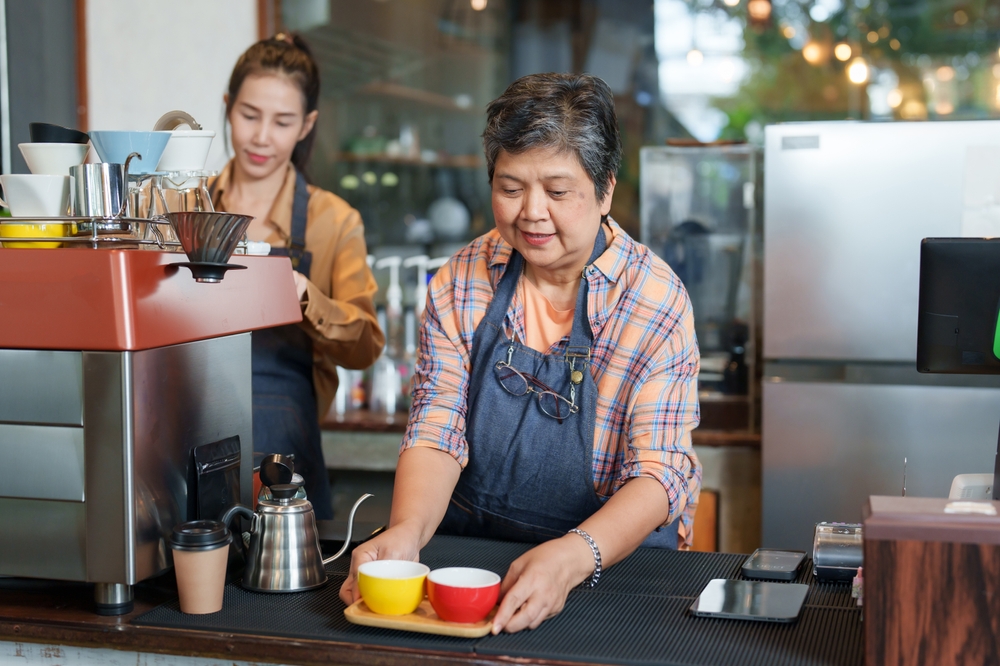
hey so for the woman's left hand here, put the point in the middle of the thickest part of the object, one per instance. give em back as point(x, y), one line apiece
point(301, 282)
point(537, 583)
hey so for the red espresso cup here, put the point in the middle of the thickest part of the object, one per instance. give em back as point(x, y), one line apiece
point(460, 594)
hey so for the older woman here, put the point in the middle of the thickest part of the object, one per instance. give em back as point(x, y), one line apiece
point(556, 388)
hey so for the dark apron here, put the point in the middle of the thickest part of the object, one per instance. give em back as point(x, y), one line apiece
point(285, 418)
point(530, 477)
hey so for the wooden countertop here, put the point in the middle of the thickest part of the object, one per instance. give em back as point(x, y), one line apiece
point(62, 614)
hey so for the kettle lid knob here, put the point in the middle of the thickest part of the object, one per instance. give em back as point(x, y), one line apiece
point(276, 468)
point(284, 491)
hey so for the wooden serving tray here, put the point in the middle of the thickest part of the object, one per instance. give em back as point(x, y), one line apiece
point(423, 620)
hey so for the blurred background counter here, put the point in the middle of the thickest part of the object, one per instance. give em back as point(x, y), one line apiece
point(361, 451)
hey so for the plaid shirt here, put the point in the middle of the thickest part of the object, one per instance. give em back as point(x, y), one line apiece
point(645, 363)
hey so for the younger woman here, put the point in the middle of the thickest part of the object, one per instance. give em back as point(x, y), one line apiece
point(271, 109)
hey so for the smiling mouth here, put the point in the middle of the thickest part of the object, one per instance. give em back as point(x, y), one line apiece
point(536, 239)
point(257, 159)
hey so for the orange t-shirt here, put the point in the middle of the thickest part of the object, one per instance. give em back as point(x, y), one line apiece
point(543, 324)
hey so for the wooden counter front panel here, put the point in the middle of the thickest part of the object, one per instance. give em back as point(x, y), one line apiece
point(931, 603)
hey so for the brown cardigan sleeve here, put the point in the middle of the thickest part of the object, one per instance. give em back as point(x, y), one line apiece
point(338, 308)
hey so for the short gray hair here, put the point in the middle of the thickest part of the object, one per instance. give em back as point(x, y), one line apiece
point(571, 112)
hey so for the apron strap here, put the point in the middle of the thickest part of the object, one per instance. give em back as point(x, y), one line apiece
point(300, 213)
point(581, 336)
point(505, 291)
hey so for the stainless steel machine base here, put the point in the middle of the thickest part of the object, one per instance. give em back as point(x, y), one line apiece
point(113, 598)
point(98, 455)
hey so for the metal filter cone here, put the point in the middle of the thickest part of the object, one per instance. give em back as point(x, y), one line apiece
point(208, 237)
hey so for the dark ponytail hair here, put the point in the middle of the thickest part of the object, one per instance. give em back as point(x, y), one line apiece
point(290, 55)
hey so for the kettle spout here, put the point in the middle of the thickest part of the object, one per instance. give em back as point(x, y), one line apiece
point(350, 530)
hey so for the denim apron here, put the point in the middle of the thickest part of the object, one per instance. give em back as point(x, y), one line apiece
point(530, 477)
point(285, 418)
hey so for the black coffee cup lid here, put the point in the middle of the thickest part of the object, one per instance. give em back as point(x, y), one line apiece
point(200, 535)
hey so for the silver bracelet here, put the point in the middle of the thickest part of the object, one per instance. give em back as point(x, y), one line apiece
point(594, 577)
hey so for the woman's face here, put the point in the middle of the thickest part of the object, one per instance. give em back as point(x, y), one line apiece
point(267, 119)
point(545, 206)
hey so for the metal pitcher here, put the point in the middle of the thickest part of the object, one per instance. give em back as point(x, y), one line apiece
point(284, 553)
point(101, 189)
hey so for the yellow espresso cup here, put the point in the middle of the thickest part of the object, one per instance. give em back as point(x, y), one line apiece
point(34, 230)
point(392, 587)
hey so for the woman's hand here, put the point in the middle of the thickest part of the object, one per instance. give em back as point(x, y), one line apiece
point(301, 282)
point(537, 583)
point(399, 542)
point(425, 478)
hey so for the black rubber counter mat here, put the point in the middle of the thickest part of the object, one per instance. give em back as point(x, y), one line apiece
point(636, 615)
point(447, 551)
point(633, 629)
point(668, 573)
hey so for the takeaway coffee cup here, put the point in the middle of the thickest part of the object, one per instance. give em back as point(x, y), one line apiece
point(35, 195)
point(201, 551)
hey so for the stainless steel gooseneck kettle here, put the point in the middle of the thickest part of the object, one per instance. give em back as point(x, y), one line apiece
point(284, 553)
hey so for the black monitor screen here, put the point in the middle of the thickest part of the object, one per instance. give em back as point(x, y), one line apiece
point(959, 298)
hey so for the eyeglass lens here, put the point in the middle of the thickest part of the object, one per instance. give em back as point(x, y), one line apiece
point(553, 405)
point(511, 380)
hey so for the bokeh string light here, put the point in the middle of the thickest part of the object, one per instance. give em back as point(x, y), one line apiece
point(858, 71)
point(759, 10)
point(843, 51)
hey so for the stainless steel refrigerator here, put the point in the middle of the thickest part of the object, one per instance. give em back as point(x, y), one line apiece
point(845, 207)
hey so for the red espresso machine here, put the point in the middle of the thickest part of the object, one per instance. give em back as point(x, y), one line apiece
point(116, 368)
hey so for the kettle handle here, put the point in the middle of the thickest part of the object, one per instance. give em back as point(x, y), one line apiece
point(233, 511)
point(350, 528)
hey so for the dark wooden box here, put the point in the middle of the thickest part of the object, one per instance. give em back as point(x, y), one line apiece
point(932, 583)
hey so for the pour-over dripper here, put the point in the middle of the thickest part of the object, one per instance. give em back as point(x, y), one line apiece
point(208, 239)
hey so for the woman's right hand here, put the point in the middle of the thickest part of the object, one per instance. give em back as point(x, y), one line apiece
point(425, 478)
point(399, 542)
